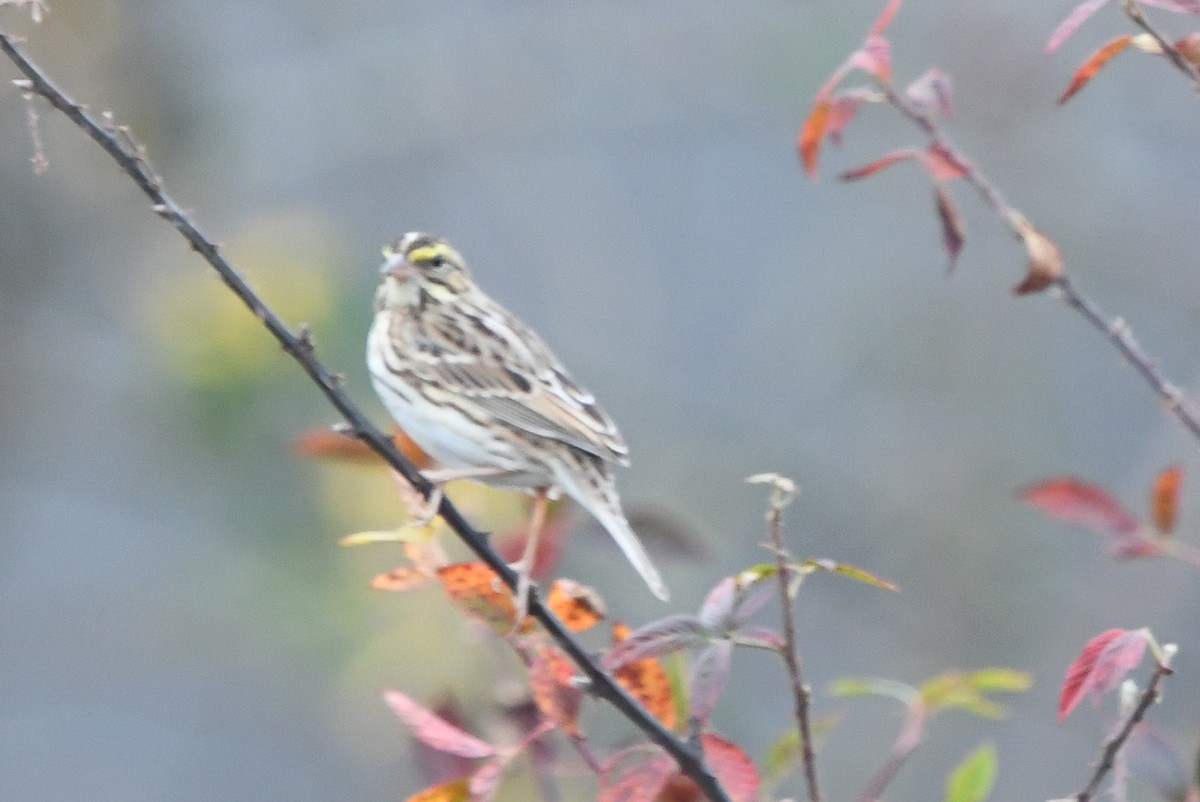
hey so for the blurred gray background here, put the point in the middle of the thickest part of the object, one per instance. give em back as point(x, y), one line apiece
point(176, 619)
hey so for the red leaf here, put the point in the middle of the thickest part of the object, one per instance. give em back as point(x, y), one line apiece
point(954, 233)
point(944, 165)
point(1093, 65)
point(885, 18)
point(432, 730)
point(874, 57)
point(1081, 504)
point(1189, 48)
point(1165, 504)
point(732, 768)
point(1071, 24)
point(881, 163)
point(812, 134)
point(1102, 664)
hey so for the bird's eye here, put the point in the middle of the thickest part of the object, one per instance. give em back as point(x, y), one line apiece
point(437, 260)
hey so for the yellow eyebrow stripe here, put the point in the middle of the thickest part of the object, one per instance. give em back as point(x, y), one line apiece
point(429, 252)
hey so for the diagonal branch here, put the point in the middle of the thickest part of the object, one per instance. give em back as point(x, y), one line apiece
point(1134, 11)
point(129, 155)
point(1109, 756)
point(1117, 331)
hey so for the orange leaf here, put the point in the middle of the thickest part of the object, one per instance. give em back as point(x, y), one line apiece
point(812, 134)
point(1045, 260)
point(646, 680)
point(550, 675)
point(576, 605)
point(1189, 48)
point(1165, 504)
point(1093, 65)
point(403, 578)
point(324, 443)
point(479, 591)
point(457, 791)
point(1101, 666)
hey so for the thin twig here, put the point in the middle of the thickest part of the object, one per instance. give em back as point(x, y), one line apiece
point(1134, 11)
point(783, 492)
point(120, 145)
point(1109, 755)
point(1117, 331)
point(1120, 335)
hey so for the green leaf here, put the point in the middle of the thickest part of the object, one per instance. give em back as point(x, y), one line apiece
point(873, 686)
point(786, 753)
point(972, 779)
point(853, 572)
point(965, 691)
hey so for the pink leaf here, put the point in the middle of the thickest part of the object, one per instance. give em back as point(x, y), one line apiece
point(432, 730)
point(842, 110)
point(882, 163)
point(709, 675)
point(944, 165)
point(486, 780)
point(1101, 666)
point(885, 18)
point(1080, 504)
point(732, 768)
point(718, 604)
point(1071, 24)
point(641, 782)
point(875, 57)
point(657, 638)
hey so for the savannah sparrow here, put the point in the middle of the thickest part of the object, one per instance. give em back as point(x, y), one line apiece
point(482, 394)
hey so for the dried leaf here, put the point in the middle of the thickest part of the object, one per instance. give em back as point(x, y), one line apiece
point(457, 791)
point(401, 579)
point(479, 591)
point(647, 681)
point(1045, 260)
point(954, 231)
point(432, 730)
point(550, 677)
point(1068, 26)
point(1094, 64)
point(578, 606)
point(1101, 666)
point(1165, 502)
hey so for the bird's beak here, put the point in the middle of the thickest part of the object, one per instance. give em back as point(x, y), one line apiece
point(396, 266)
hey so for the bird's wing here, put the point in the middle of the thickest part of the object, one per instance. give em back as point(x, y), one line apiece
point(505, 368)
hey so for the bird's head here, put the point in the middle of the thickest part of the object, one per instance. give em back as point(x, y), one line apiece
point(420, 269)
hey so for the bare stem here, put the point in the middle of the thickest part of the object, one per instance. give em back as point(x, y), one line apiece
point(1134, 11)
point(1109, 755)
point(129, 155)
point(1116, 330)
point(789, 652)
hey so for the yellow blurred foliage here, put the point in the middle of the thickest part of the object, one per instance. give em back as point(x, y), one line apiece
point(208, 336)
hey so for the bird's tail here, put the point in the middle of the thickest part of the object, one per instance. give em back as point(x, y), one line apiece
point(597, 493)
